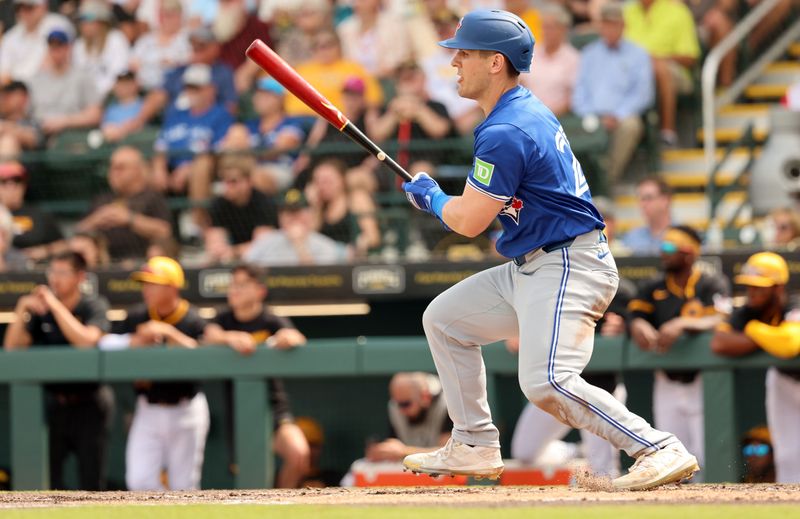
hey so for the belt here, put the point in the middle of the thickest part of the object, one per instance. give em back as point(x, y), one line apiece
point(550, 247)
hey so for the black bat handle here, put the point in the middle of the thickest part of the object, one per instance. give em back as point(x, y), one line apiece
point(358, 136)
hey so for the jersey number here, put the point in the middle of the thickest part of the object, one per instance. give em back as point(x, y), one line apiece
point(562, 144)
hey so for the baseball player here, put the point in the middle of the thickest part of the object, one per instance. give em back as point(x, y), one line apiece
point(560, 280)
point(769, 322)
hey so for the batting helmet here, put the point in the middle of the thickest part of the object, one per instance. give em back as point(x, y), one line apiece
point(495, 30)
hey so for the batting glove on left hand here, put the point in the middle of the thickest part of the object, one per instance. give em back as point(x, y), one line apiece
point(425, 194)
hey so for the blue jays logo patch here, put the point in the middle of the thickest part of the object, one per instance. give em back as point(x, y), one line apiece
point(512, 209)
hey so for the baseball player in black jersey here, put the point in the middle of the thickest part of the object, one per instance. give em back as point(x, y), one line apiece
point(244, 325)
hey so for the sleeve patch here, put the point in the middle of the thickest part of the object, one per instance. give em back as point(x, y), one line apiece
point(483, 171)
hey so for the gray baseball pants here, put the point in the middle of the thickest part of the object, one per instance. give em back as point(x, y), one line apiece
point(552, 302)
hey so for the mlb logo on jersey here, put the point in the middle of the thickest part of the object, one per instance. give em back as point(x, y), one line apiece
point(512, 209)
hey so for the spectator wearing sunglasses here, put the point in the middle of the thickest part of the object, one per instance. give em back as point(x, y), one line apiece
point(684, 300)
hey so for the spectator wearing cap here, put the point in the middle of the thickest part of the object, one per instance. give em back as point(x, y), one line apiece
point(78, 414)
point(189, 136)
point(235, 27)
point(555, 70)
point(412, 117)
point(64, 96)
point(295, 242)
point(133, 215)
point(163, 48)
point(205, 52)
point(11, 258)
point(125, 107)
point(171, 420)
point(275, 136)
point(442, 79)
point(240, 214)
point(24, 47)
point(101, 49)
point(615, 84)
point(328, 70)
point(18, 131)
point(666, 30)
point(375, 38)
point(36, 232)
point(361, 165)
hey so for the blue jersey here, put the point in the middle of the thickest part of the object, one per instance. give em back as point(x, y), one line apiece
point(186, 134)
point(523, 158)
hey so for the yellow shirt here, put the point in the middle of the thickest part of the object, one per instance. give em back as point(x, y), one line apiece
point(534, 22)
point(666, 29)
point(329, 80)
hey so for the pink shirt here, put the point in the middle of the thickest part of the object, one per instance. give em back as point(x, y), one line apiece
point(553, 76)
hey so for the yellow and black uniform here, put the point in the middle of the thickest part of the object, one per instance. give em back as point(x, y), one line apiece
point(187, 321)
point(662, 300)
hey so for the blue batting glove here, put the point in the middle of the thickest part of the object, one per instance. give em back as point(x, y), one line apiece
point(425, 194)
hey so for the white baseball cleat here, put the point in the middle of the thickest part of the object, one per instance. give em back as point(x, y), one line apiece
point(671, 464)
point(457, 459)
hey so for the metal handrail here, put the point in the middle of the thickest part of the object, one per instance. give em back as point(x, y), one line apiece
point(711, 68)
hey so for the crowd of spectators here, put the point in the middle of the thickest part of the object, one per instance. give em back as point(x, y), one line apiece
point(177, 69)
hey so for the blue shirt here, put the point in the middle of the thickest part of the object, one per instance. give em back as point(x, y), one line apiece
point(523, 158)
point(641, 242)
point(192, 133)
point(267, 140)
point(221, 76)
point(118, 113)
point(613, 81)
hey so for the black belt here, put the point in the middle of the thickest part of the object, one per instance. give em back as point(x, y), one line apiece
point(550, 247)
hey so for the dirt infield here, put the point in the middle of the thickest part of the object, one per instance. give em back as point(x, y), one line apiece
point(498, 496)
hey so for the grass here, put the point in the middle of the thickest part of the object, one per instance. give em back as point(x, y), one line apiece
point(217, 511)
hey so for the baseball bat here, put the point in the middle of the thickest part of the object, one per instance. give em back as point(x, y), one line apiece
point(270, 62)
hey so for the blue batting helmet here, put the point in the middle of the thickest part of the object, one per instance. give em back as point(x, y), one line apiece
point(495, 30)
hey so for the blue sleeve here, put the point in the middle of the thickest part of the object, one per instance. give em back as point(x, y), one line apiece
point(642, 90)
point(227, 91)
point(222, 122)
point(499, 162)
point(173, 82)
point(581, 95)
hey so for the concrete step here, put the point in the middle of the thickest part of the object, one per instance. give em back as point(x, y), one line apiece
point(686, 168)
point(733, 119)
point(766, 92)
point(687, 208)
point(780, 72)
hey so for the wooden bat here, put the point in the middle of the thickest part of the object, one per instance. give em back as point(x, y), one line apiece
point(275, 66)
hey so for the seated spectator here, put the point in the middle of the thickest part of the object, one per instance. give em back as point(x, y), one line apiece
point(11, 258)
point(295, 242)
point(532, 16)
point(125, 107)
point(666, 30)
point(785, 224)
point(769, 321)
point(714, 20)
point(655, 201)
point(79, 414)
point(36, 232)
point(683, 300)
point(188, 136)
point(63, 96)
point(92, 246)
point(418, 420)
point(133, 215)
point(375, 38)
point(328, 71)
point(412, 117)
point(246, 324)
point(325, 142)
point(441, 78)
point(307, 18)
point(171, 420)
point(163, 48)
point(615, 84)
point(276, 137)
point(342, 214)
point(235, 27)
point(18, 131)
point(101, 50)
point(241, 214)
point(555, 70)
point(23, 50)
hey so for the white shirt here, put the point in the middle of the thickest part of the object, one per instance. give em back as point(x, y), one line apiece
point(108, 64)
point(22, 53)
point(154, 59)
